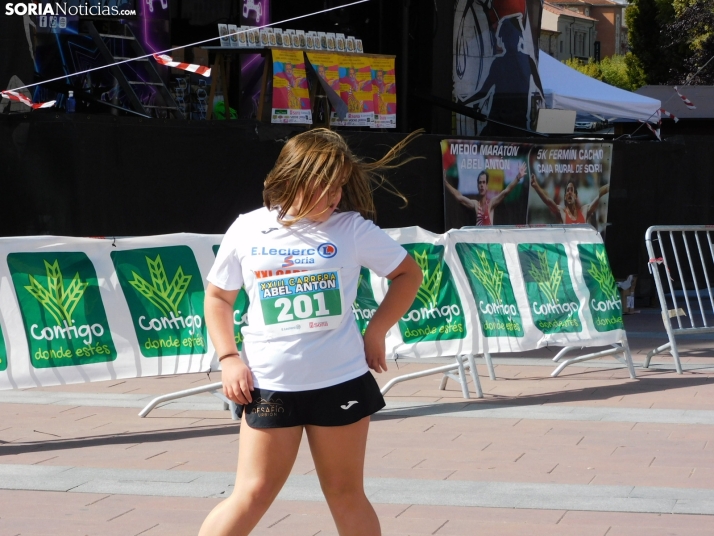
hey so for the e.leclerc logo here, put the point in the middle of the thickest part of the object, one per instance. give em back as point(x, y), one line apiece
point(327, 250)
point(298, 256)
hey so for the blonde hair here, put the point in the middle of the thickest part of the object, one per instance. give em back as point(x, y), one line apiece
point(320, 160)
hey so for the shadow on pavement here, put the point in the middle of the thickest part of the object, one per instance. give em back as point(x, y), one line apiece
point(603, 392)
point(153, 436)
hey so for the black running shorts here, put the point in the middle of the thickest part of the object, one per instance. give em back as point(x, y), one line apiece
point(338, 405)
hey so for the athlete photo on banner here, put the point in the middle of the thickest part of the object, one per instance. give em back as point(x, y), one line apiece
point(485, 183)
point(570, 184)
point(502, 183)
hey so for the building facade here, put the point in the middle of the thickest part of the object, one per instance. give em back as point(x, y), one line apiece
point(610, 24)
point(567, 34)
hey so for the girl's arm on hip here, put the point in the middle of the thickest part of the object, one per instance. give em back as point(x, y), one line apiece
point(405, 281)
point(237, 378)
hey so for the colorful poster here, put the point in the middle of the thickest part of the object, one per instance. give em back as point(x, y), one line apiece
point(384, 89)
point(504, 183)
point(62, 310)
point(291, 97)
point(355, 90)
point(327, 67)
point(164, 290)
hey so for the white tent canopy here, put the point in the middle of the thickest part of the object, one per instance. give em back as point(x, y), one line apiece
point(567, 89)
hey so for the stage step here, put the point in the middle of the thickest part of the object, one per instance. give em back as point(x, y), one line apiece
point(122, 32)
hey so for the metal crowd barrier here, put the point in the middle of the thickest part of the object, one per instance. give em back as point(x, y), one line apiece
point(446, 370)
point(686, 254)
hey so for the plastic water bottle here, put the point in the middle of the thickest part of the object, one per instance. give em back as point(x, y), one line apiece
point(71, 104)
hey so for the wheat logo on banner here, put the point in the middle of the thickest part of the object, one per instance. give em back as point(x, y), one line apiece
point(164, 290)
point(551, 296)
point(62, 310)
point(437, 313)
point(486, 270)
point(604, 303)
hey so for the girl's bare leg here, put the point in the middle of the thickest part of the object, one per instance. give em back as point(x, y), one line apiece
point(265, 458)
point(338, 453)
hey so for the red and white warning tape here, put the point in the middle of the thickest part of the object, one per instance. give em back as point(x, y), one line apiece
point(659, 260)
point(19, 97)
point(689, 104)
point(669, 114)
point(655, 131)
point(163, 59)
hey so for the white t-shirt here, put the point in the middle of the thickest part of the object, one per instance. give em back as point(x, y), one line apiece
point(301, 282)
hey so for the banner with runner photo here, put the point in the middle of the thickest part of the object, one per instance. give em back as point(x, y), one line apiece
point(570, 184)
point(485, 183)
point(291, 96)
point(505, 183)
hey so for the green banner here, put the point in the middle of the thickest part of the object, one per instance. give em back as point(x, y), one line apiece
point(62, 310)
point(551, 296)
point(164, 290)
point(3, 352)
point(437, 313)
point(605, 305)
point(485, 267)
point(364, 305)
point(240, 312)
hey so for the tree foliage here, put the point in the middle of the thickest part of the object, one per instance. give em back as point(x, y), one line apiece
point(671, 41)
point(690, 37)
point(619, 71)
point(644, 23)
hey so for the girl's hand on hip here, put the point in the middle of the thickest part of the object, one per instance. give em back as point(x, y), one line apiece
point(237, 380)
point(374, 351)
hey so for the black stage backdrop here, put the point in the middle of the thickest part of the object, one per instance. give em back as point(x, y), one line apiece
point(104, 176)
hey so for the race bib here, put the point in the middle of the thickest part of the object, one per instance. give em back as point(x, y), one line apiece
point(301, 303)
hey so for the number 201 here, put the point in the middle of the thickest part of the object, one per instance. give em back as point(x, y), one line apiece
point(302, 307)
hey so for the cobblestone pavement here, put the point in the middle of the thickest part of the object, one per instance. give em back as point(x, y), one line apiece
point(590, 452)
